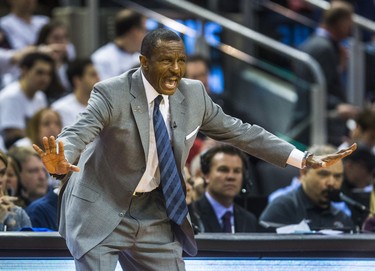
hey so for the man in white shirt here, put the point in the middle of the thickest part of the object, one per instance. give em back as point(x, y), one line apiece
point(20, 25)
point(122, 53)
point(82, 76)
point(21, 28)
point(21, 99)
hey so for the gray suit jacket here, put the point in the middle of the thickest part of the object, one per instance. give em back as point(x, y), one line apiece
point(113, 136)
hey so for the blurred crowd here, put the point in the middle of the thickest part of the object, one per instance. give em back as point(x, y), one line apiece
point(45, 86)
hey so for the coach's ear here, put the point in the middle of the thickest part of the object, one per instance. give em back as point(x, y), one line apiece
point(144, 62)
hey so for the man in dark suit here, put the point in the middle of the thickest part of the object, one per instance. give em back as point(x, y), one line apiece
point(116, 207)
point(326, 48)
point(224, 168)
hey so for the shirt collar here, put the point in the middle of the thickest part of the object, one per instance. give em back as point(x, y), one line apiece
point(151, 93)
point(219, 209)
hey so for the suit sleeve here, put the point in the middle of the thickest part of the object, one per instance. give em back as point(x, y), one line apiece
point(252, 139)
point(89, 124)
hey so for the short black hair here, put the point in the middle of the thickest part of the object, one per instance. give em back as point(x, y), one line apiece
point(151, 39)
point(29, 60)
point(127, 20)
point(77, 68)
point(206, 157)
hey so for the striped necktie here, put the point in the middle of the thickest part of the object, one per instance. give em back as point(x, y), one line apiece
point(174, 196)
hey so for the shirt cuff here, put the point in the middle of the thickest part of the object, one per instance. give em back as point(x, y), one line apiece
point(295, 158)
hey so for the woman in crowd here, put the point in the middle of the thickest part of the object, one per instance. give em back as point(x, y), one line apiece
point(13, 183)
point(54, 36)
point(12, 217)
point(45, 122)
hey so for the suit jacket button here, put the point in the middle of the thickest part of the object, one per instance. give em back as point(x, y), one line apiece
point(121, 214)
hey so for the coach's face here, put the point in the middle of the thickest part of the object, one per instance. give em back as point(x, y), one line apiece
point(166, 66)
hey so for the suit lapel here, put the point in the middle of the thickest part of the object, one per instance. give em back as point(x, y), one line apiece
point(177, 109)
point(140, 110)
point(208, 216)
point(238, 220)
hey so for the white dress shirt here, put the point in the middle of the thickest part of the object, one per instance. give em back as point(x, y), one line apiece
point(151, 178)
point(295, 158)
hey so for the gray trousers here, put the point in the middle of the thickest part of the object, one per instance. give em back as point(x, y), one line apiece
point(142, 241)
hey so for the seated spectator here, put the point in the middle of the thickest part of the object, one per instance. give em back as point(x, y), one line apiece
point(122, 53)
point(357, 183)
point(13, 178)
point(369, 223)
point(12, 217)
point(295, 183)
point(20, 27)
point(82, 76)
point(9, 59)
point(53, 36)
point(21, 99)
point(45, 122)
point(34, 178)
point(43, 211)
point(362, 131)
point(359, 171)
point(224, 168)
point(310, 201)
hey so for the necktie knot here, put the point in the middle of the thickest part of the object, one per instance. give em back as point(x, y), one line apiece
point(157, 102)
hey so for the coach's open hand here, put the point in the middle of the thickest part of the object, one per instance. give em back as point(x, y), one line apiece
point(329, 159)
point(54, 160)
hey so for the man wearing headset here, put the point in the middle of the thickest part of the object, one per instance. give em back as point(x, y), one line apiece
point(224, 168)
